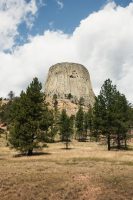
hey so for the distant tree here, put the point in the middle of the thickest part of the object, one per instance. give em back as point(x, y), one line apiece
point(130, 116)
point(56, 115)
point(6, 112)
point(121, 118)
point(81, 101)
point(66, 128)
point(55, 102)
point(79, 122)
point(11, 95)
point(130, 122)
point(88, 121)
point(46, 123)
point(26, 132)
point(70, 96)
point(6, 115)
point(96, 119)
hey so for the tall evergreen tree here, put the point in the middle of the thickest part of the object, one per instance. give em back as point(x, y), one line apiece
point(47, 122)
point(96, 119)
point(25, 133)
point(110, 113)
point(66, 128)
point(56, 116)
point(88, 122)
point(80, 124)
point(121, 118)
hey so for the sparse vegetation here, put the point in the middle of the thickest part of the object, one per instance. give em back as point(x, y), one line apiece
point(88, 171)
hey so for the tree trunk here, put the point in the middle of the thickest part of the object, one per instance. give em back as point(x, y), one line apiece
point(66, 144)
point(30, 152)
point(108, 142)
point(7, 139)
point(86, 133)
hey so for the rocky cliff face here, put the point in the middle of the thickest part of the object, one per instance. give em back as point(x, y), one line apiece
point(70, 81)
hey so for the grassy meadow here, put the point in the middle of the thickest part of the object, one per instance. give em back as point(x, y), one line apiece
point(87, 171)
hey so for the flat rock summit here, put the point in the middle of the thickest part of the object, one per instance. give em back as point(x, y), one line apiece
point(70, 82)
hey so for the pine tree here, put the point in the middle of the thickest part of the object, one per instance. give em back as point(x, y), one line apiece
point(11, 95)
point(121, 118)
point(70, 96)
point(110, 113)
point(26, 133)
point(47, 122)
point(56, 116)
point(80, 124)
point(130, 112)
point(97, 118)
point(66, 128)
point(6, 112)
point(81, 101)
point(88, 122)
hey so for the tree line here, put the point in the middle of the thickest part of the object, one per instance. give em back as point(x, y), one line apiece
point(32, 123)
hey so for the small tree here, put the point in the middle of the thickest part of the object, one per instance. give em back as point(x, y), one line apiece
point(56, 114)
point(55, 102)
point(88, 121)
point(11, 95)
point(66, 128)
point(81, 101)
point(5, 113)
point(26, 134)
point(80, 124)
point(121, 119)
point(70, 96)
point(46, 123)
point(97, 119)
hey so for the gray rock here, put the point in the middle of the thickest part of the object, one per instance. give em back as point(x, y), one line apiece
point(70, 78)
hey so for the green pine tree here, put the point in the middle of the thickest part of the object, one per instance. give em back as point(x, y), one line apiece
point(121, 119)
point(26, 133)
point(66, 128)
point(79, 122)
point(88, 122)
point(97, 118)
point(46, 123)
point(110, 114)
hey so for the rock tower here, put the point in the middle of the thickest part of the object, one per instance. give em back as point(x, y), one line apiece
point(70, 81)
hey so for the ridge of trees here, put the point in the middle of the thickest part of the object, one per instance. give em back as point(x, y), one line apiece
point(32, 124)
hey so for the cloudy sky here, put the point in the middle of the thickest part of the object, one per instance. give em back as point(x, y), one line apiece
point(35, 34)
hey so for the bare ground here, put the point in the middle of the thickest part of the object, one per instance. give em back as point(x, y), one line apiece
point(85, 172)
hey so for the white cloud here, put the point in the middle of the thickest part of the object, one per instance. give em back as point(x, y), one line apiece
point(60, 3)
point(103, 42)
point(12, 13)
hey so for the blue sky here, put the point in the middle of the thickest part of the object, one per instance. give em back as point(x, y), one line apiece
point(35, 34)
point(52, 16)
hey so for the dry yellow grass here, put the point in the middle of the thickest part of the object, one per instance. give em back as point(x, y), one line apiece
point(85, 172)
